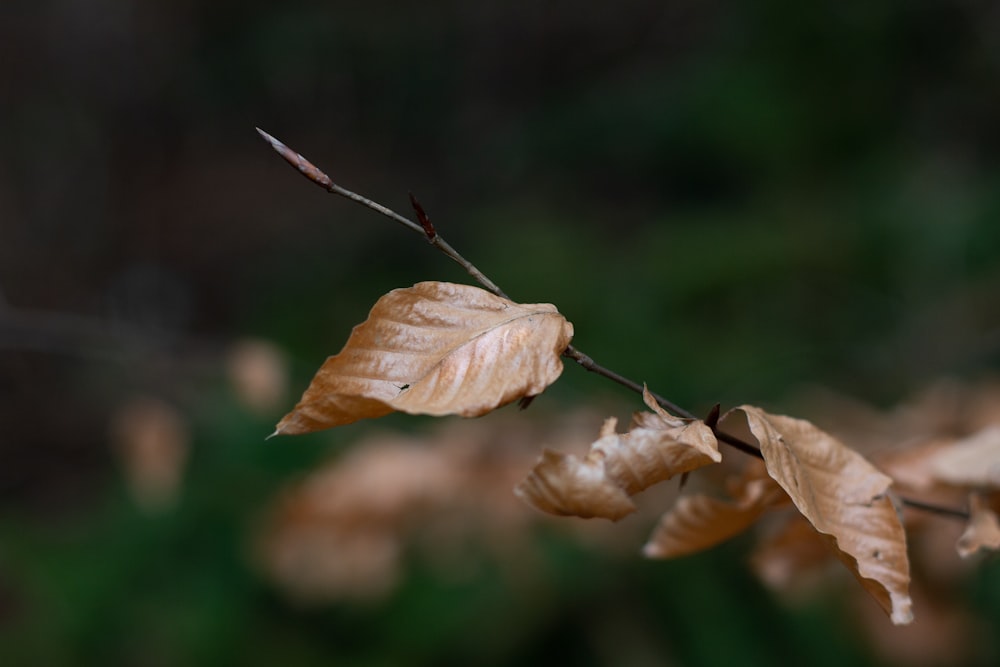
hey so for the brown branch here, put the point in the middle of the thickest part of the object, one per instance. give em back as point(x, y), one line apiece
point(950, 512)
point(429, 232)
point(592, 366)
point(307, 169)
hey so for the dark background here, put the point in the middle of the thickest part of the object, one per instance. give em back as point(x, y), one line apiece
point(728, 201)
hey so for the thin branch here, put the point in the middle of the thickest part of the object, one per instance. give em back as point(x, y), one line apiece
point(592, 366)
point(429, 232)
point(935, 509)
point(310, 171)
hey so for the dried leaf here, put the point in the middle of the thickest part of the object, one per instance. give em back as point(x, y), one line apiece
point(345, 529)
point(258, 372)
point(697, 522)
point(566, 485)
point(841, 494)
point(435, 348)
point(152, 439)
point(618, 466)
point(784, 559)
point(973, 461)
point(983, 531)
point(336, 533)
point(912, 467)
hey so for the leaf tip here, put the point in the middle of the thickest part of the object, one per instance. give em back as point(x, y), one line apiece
point(902, 610)
point(647, 398)
point(651, 550)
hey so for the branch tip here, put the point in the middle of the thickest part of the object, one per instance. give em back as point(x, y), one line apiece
point(304, 166)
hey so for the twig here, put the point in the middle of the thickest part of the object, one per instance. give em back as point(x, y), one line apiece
point(428, 231)
point(592, 366)
point(935, 509)
point(319, 178)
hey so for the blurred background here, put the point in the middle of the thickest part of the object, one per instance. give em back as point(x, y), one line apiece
point(731, 203)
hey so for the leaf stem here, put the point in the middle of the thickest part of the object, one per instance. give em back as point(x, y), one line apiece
point(425, 229)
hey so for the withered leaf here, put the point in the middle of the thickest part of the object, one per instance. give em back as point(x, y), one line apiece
point(435, 348)
point(153, 440)
point(912, 467)
point(973, 461)
point(983, 531)
point(618, 466)
point(841, 494)
point(697, 521)
point(784, 558)
point(566, 485)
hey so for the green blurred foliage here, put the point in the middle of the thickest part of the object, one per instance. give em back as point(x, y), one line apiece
point(728, 202)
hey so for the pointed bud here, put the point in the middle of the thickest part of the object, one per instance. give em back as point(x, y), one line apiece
point(305, 167)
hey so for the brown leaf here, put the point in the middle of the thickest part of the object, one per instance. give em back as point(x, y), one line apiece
point(566, 485)
point(618, 466)
point(337, 532)
point(983, 531)
point(258, 372)
point(153, 441)
point(912, 467)
point(973, 461)
point(435, 348)
point(697, 522)
point(841, 494)
point(784, 559)
point(346, 528)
